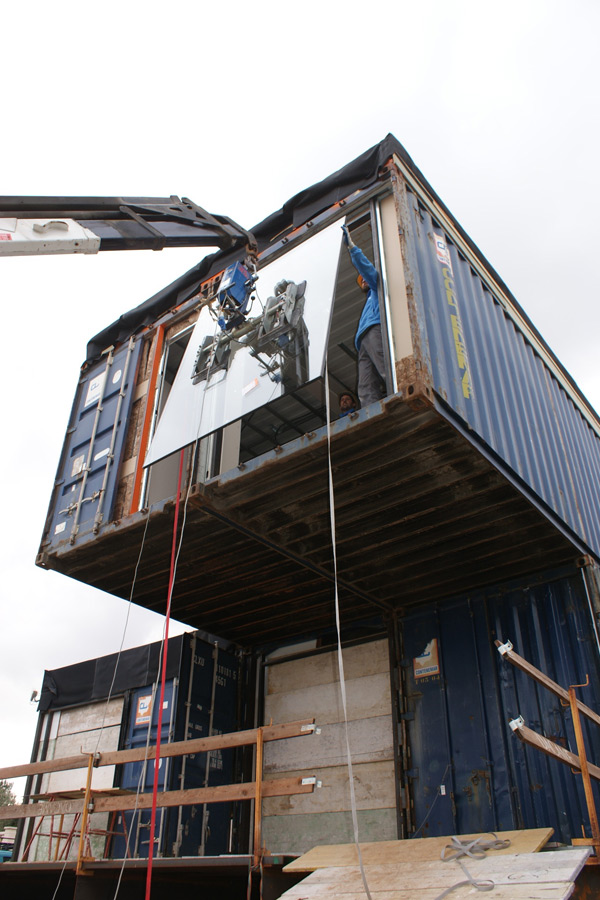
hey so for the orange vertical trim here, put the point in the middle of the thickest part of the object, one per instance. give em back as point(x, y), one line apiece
point(139, 467)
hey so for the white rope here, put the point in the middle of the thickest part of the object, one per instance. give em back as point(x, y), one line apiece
point(339, 637)
point(129, 605)
point(475, 849)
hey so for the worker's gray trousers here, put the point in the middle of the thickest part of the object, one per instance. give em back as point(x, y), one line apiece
point(371, 367)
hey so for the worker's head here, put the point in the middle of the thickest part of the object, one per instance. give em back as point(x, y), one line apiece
point(347, 402)
point(362, 284)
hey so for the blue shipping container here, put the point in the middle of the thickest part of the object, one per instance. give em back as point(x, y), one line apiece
point(469, 772)
point(496, 380)
point(86, 481)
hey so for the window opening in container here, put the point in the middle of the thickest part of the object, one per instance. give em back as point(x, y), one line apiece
point(303, 411)
point(256, 364)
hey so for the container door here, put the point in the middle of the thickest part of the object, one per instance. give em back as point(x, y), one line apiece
point(211, 706)
point(87, 477)
point(452, 766)
point(139, 776)
point(469, 773)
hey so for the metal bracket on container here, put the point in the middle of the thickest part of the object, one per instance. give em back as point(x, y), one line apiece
point(312, 780)
point(503, 649)
point(310, 728)
point(517, 723)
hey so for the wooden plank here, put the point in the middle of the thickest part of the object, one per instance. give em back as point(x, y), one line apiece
point(373, 785)
point(382, 852)
point(556, 751)
point(529, 876)
point(222, 794)
point(177, 748)
point(523, 868)
point(520, 663)
point(502, 892)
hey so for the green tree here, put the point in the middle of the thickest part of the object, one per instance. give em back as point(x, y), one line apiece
point(7, 798)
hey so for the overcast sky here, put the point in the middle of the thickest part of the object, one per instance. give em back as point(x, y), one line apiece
point(239, 106)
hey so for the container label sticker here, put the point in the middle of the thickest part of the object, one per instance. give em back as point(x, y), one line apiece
point(5, 237)
point(60, 527)
point(428, 663)
point(101, 453)
point(117, 376)
point(458, 335)
point(77, 467)
point(443, 254)
point(94, 390)
point(142, 713)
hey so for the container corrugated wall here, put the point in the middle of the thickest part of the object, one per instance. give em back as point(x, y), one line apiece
point(469, 772)
point(486, 372)
point(86, 480)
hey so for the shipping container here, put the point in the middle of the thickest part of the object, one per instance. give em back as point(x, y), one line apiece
point(480, 463)
point(83, 710)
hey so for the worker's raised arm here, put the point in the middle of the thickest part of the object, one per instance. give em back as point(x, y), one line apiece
point(360, 262)
point(364, 266)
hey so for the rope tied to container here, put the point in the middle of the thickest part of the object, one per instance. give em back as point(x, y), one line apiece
point(475, 849)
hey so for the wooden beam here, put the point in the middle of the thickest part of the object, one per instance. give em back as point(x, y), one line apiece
point(177, 748)
point(222, 794)
point(519, 663)
point(533, 739)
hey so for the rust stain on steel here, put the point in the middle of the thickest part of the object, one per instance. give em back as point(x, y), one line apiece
point(478, 778)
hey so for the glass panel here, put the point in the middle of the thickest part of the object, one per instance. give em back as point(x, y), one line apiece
point(253, 365)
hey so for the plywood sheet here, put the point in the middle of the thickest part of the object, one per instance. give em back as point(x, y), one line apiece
point(374, 786)
point(367, 696)
point(370, 740)
point(525, 876)
point(559, 891)
point(365, 659)
point(91, 716)
point(284, 835)
point(385, 852)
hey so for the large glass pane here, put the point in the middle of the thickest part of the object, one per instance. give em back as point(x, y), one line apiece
point(254, 366)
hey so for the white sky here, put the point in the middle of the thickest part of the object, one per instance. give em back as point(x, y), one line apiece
point(239, 106)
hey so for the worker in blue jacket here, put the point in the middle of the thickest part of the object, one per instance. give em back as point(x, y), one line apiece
point(368, 339)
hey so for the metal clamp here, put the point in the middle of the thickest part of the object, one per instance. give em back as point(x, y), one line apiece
point(310, 728)
point(517, 723)
point(312, 780)
point(503, 649)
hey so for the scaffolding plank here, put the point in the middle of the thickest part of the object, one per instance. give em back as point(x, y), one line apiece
point(221, 794)
point(381, 852)
point(176, 748)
